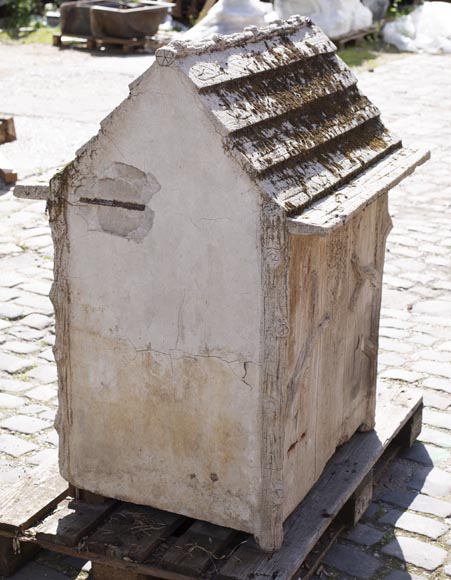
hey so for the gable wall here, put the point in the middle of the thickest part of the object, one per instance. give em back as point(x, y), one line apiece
point(161, 404)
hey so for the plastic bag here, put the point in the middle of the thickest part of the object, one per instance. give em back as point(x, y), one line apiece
point(230, 16)
point(335, 18)
point(426, 29)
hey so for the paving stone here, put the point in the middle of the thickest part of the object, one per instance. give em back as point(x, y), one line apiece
point(25, 424)
point(436, 400)
point(434, 355)
point(447, 570)
point(10, 401)
point(351, 560)
point(52, 438)
point(42, 393)
point(391, 359)
point(422, 339)
point(433, 368)
point(14, 386)
point(364, 535)
point(33, 571)
point(372, 511)
point(12, 475)
point(436, 419)
point(400, 575)
point(44, 374)
point(36, 321)
point(438, 384)
point(426, 454)
point(11, 311)
point(395, 345)
point(42, 288)
point(14, 364)
point(20, 347)
point(393, 333)
point(445, 346)
point(11, 279)
point(47, 355)
point(414, 523)
point(439, 438)
point(415, 552)
point(25, 333)
point(43, 457)
point(38, 303)
point(401, 375)
point(435, 307)
point(434, 482)
point(4, 324)
point(15, 446)
point(418, 502)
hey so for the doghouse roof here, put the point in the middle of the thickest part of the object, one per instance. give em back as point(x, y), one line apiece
point(287, 108)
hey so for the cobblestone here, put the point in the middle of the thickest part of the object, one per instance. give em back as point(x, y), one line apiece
point(352, 561)
point(416, 309)
point(25, 424)
point(416, 552)
point(415, 523)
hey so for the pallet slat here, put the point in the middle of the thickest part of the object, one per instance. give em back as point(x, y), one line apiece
point(198, 548)
point(343, 474)
point(36, 495)
point(133, 532)
point(71, 521)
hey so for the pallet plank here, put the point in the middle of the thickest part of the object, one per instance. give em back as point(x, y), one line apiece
point(7, 173)
point(133, 532)
point(71, 521)
point(12, 558)
point(342, 476)
point(7, 129)
point(198, 548)
point(37, 494)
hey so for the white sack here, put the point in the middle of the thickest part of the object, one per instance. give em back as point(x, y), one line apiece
point(427, 28)
point(230, 16)
point(335, 18)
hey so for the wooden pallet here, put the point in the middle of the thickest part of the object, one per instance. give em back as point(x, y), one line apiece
point(7, 173)
point(130, 542)
point(95, 43)
point(355, 37)
point(7, 130)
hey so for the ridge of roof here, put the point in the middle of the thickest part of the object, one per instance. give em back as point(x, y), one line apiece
point(177, 49)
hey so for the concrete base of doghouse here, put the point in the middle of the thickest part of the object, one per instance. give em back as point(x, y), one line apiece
point(133, 542)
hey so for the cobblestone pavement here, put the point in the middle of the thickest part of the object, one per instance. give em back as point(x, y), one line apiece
point(406, 532)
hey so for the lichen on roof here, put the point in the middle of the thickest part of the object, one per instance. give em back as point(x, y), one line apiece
point(287, 107)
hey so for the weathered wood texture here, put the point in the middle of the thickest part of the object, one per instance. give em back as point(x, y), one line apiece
point(136, 542)
point(36, 494)
point(342, 476)
point(13, 555)
point(7, 173)
point(7, 130)
point(335, 288)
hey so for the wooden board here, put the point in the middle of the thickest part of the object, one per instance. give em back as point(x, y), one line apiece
point(342, 476)
point(7, 173)
point(7, 130)
point(137, 543)
point(36, 494)
point(93, 43)
point(71, 521)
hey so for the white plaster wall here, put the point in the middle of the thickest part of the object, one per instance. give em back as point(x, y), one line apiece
point(165, 313)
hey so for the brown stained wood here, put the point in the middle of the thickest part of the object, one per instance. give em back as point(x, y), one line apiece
point(13, 555)
point(412, 430)
point(133, 532)
point(7, 173)
point(35, 496)
point(102, 572)
point(7, 130)
point(342, 476)
point(71, 521)
point(199, 547)
point(330, 213)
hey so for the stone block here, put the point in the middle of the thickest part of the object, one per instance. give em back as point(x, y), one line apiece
point(416, 552)
point(25, 424)
point(351, 560)
point(414, 523)
point(15, 446)
point(418, 502)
